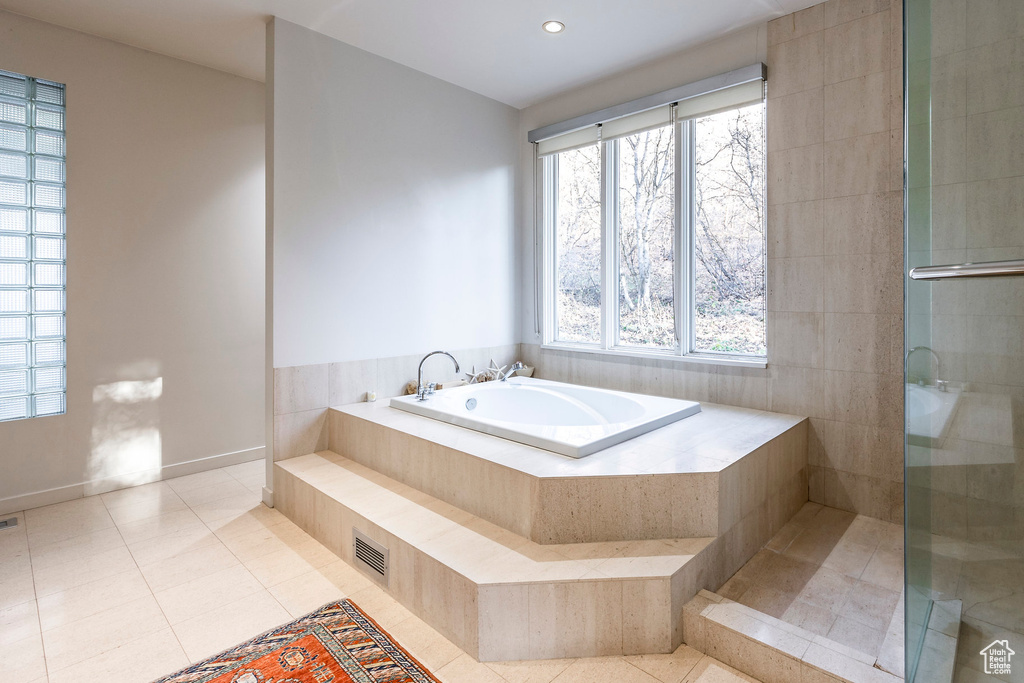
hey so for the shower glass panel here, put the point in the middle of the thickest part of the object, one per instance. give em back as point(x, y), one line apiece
point(964, 336)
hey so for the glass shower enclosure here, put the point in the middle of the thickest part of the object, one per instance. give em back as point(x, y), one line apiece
point(964, 339)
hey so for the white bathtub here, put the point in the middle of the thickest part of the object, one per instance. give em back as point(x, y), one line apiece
point(564, 418)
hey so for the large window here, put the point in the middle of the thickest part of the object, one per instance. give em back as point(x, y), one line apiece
point(32, 251)
point(654, 232)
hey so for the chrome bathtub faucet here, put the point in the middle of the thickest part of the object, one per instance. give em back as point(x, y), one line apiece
point(423, 391)
point(518, 365)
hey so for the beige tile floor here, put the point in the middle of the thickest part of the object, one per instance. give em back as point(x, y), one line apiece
point(834, 573)
point(131, 585)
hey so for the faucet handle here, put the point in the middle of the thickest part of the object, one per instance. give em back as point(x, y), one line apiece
point(517, 366)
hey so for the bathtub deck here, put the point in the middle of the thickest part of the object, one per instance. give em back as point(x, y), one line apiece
point(513, 552)
point(696, 477)
point(710, 441)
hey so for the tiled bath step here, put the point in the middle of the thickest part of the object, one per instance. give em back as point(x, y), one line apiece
point(696, 477)
point(836, 574)
point(493, 593)
point(770, 649)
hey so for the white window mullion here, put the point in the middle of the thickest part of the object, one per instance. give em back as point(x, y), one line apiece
point(681, 204)
point(609, 245)
point(550, 250)
point(540, 223)
point(685, 221)
point(691, 237)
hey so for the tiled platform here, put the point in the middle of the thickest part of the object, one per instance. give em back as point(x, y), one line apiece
point(499, 595)
point(495, 594)
point(514, 552)
point(134, 584)
point(824, 594)
point(833, 573)
point(696, 477)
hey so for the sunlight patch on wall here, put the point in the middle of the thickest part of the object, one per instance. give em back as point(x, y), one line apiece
point(126, 440)
point(129, 392)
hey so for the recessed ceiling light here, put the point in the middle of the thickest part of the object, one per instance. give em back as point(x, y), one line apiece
point(553, 26)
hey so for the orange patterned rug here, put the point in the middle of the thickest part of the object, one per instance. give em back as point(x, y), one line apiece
point(337, 643)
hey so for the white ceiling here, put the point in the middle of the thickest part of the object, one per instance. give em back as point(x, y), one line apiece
point(493, 47)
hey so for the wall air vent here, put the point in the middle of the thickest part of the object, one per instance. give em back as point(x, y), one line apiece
point(370, 556)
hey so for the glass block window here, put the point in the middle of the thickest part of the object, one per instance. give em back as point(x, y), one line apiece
point(32, 249)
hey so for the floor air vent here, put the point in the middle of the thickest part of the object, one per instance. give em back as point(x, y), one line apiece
point(370, 555)
point(8, 523)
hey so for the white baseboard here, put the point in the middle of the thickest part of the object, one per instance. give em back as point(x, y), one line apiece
point(88, 488)
point(41, 498)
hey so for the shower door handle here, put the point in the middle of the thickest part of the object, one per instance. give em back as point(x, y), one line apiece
point(962, 270)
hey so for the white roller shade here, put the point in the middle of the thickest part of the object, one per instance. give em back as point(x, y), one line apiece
point(616, 128)
point(721, 100)
point(637, 123)
point(735, 88)
point(574, 140)
point(734, 97)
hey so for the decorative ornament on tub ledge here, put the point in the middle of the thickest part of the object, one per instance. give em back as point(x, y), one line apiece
point(489, 375)
point(494, 372)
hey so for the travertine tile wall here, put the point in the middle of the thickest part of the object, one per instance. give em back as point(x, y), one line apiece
point(303, 393)
point(835, 255)
point(835, 245)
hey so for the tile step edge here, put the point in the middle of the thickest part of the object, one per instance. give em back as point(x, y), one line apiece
point(429, 546)
point(770, 649)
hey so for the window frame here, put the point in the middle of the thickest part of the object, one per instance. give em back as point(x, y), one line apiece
point(684, 263)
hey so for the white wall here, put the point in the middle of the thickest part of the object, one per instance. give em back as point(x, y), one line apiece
point(165, 203)
point(393, 207)
point(733, 51)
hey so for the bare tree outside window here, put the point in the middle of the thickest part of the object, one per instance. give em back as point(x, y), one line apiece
point(646, 238)
point(729, 232)
point(578, 245)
